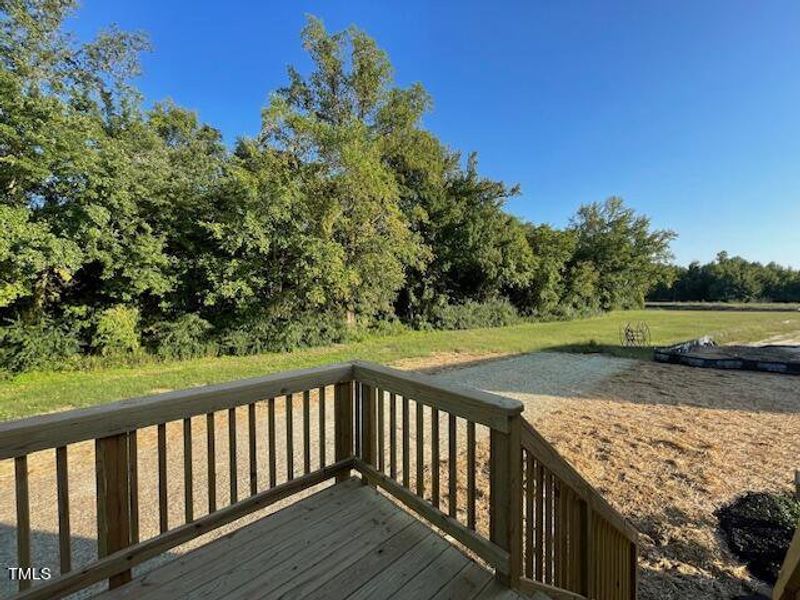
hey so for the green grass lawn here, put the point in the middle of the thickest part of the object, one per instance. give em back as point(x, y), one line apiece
point(34, 393)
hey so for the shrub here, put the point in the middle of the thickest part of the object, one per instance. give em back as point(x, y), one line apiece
point(116, 331)
point(43, 344)
point(280, 334)
point(758, 528)
point(471, 315)
point(186, 337)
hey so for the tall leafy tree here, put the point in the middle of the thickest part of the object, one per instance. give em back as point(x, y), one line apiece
point(328, 125)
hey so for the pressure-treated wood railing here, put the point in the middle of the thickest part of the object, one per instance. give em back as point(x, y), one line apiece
point(464, 460)
point(788, 585)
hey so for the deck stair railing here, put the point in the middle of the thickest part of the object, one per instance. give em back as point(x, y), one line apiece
point(505, 494)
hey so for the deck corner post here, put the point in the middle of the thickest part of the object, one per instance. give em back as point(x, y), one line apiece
point(112, 458)
point(343, 424)
point(505, 516)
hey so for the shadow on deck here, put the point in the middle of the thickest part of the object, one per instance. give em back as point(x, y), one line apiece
point(347, 541)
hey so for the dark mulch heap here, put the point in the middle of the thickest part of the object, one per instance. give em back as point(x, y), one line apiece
point(758, 528)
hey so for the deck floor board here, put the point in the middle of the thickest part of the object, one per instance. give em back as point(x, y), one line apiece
point(347, 541)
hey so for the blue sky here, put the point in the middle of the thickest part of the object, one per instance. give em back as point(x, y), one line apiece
point(688, 110)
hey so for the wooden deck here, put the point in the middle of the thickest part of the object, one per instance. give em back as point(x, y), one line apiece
point(347, 541)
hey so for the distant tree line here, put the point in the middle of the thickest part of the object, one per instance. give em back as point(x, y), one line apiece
point(729, 279)
point(126, 230)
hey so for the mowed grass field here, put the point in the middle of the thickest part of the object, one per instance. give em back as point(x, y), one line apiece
point(35, 393)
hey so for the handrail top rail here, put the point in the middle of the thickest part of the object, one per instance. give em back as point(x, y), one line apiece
point(470, 403)
point(42, 432)
point(553, 461)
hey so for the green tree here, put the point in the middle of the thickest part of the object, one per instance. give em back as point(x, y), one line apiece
point(628, 256)
point(328, 127)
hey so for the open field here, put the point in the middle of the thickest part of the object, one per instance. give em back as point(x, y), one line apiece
point(741, 306)
point(34, 393)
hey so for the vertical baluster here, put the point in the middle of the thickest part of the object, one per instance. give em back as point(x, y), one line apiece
point(271, 442)
point(540, 522)
point(62, 485)
point(406, 452)
point(548, 534)
point(133, 483)
point(322, 447)
point(368, 428)
point(23, 518)
point(233, 462)
point(306, 432)
point(188, 491)
point(587, 554)
point(251, 438)
point(530, 483)
point(381, 432)
point(393, 436)
point(435, 457)
point(452, 482)
point(576, 541)
point(471, 475)
point(163, 505)
point(420, 446)
point(289, 438)
point(558, 533)
point(212, 463)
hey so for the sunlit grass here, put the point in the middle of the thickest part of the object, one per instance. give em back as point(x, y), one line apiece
point(34, 393)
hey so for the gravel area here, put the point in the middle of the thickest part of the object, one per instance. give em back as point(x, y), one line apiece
point(540, 381)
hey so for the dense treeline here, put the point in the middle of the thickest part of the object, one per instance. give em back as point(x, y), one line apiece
point(729, 279)
point(125, 229)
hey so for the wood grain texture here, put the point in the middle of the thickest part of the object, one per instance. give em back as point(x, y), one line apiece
point(420, 447)
point(271, 442)
point(484, 548)
point(435, 457)
point(163, 501)
point(133, 482)
point(393, 436)
point(188, 478)
point(252, 447)
point(233, 463)
point(306, 432)
point(406, 445)
point(452, 466)
point(62, 484)
point(343, 424)
point(211, 464)
point(23, 517)
point(125, 559)
point(289, 437)
point(322, 427)
point(113, 500)
point(471, 475)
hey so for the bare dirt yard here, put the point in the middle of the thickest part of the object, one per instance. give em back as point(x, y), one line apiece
point(666, 444)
